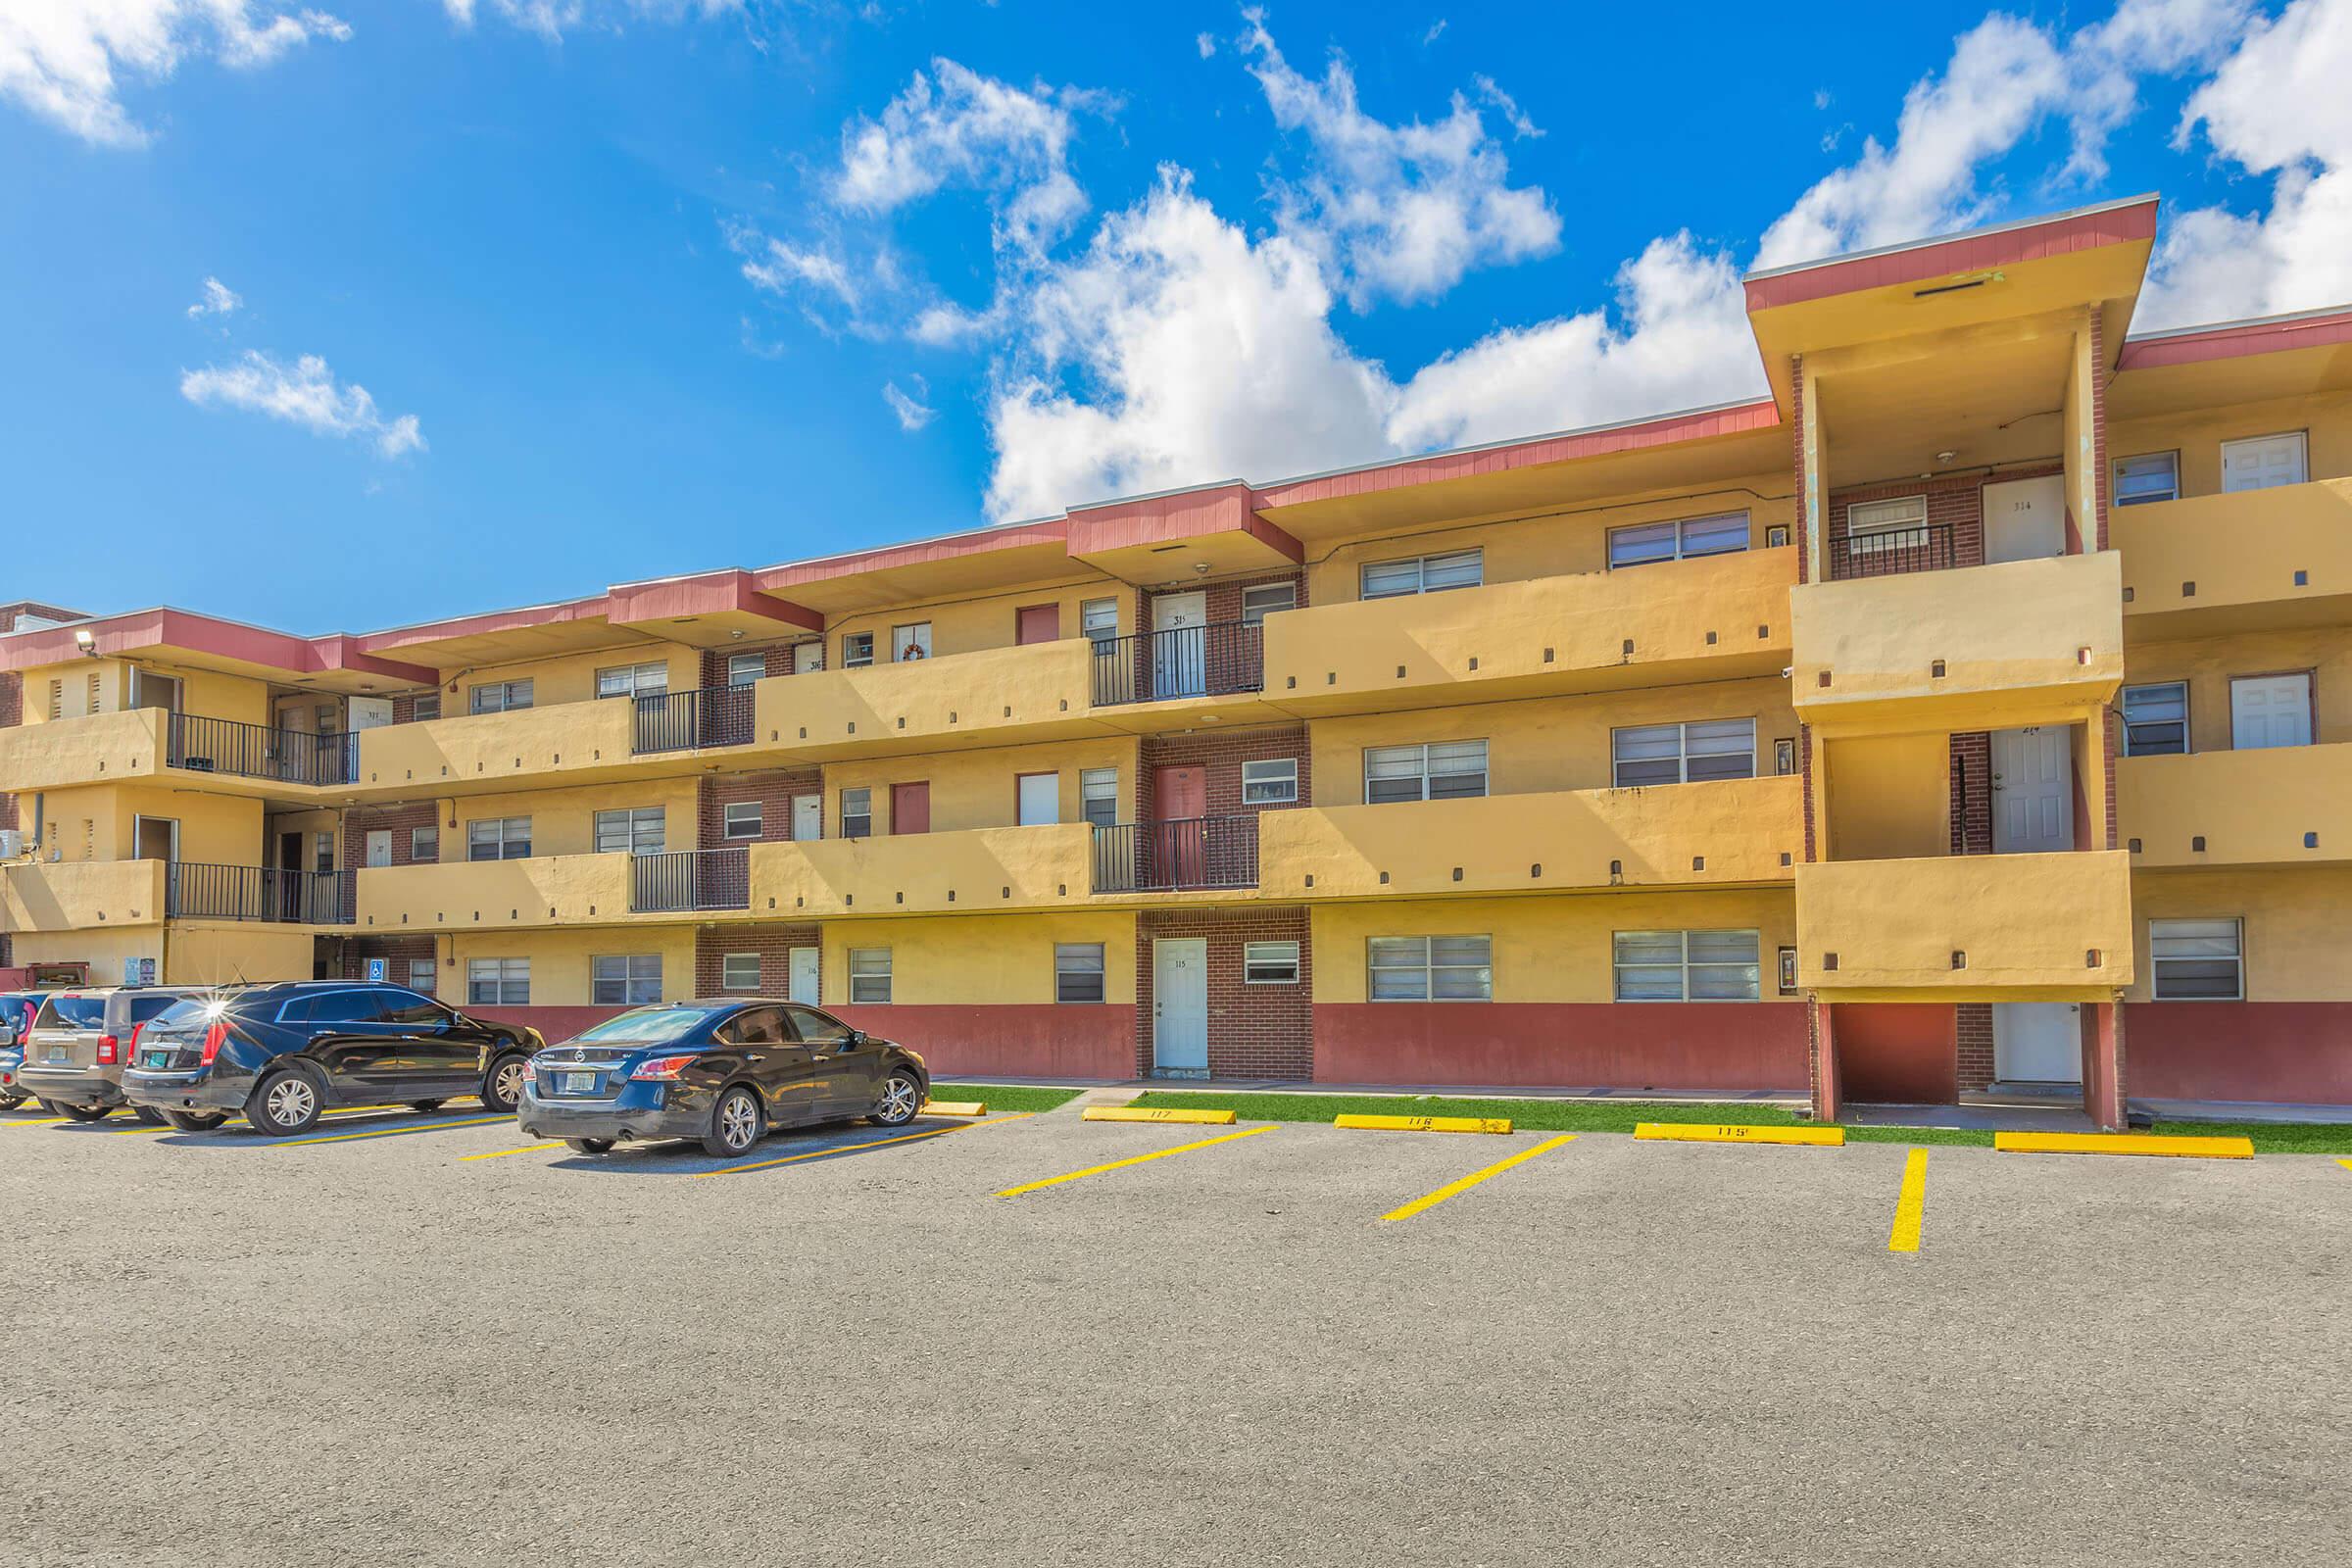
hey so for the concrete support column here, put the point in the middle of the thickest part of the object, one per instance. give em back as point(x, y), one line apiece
point(2103, 1064)
point(1828, 1098)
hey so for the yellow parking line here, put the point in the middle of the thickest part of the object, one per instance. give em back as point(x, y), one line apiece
point(500, 1154)
point(2346, 1163)
point(1911, 1204)
point(1134, 1160)
point(45, 1121)
point(1456, 1189)
point(341, 1118)
point(386, 1132)
point(852, 1149)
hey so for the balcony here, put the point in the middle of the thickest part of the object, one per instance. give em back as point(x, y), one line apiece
point(1036, 691)
point(100, 749)
point(1182, 855)
point(565, 743)
point(2281, 806)
point(1892, 552)
point(970, 871)
point(1220, 660)
point(1969, 927)
point(684, 722)
point(197, 890)
point(2258, 561)
point(80, 895)
point(460, 895)
point(1735, 832)
point(226, 746)
point(691, 881)
point(2020, 642)
point(1718, 618)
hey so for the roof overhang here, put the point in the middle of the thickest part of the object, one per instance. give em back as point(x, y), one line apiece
point(2233, 362)
point(184, 639)
point(1211, 531)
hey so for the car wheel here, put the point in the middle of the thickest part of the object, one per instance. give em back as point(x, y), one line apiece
point(284, 1104)
point(428, 1106)
point(84, 1112)
point(502, 1087)
point(590, 1146)
point(148, 1114)
point(194, 1121)
point(900, 1098)
point(9, 1100)
point(735, 1124)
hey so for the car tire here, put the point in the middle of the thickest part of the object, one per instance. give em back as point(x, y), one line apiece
point(502, 1084)
point(736, 1125)
point(193, 1121)
point(899, 1101)
point(84, 1112)
point(284, 1103)
point(148, 1114)
point(427, 1106)
point(11, 1100)
point(590, 1146)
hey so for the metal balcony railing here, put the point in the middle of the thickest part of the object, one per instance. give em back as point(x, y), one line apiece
point(197, 890)
point(678, 721)
point(203, 745)
point(1199, 852)
point(691, 879)
point(1212, 661)
point(1891, 552)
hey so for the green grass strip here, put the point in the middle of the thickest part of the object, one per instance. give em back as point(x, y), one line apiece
point(1005, 1097)
point(2268, 1137)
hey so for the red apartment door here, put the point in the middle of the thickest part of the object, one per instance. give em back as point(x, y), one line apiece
point(1180, 801)
point(1037, 623)
point(911, 808)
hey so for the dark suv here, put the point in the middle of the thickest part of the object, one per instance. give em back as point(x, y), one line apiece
point(283, 1053)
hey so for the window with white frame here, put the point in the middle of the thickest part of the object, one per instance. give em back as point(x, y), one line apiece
point(630, 981)
point(1036, 800)
point(2156, 720)
point(1078, 971)
point(1688, 967)
point(910, 641)
point(1266, 598)
point(1098, 620)
point(424, 844)
point(1878, 527)
point(635, 831)
point(425, 975)
point(742, 819)
point(632, 680)
point(2149, 476)
point(1681, 539)
point(424, 706)
point(1431, 968)
point(498, 981)
point(1270, 964)
point(739, 972)
point(869, 975)
point(1683, 754)
point(1099, 796)
point(1269, 780)
point(1422, 575)
point(322, 851)
point(2197, 961)
point(857, 650)
point(858, 812)
point(498, 696)
point(743, 669)
point(499, 838)
point(2264, 461)
point(1442, 772)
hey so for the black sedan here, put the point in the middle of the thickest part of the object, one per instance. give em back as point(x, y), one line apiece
point(719, 1072)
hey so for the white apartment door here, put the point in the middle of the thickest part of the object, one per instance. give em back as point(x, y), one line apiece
point(379, 847)
point(1180, 1005)
point(371, 713)
point(2032, 790)
point(2038, 1042)
point(2264, 462)
point(1180, 645)
point(808, 657)
point(2024, 519)
point(799, 975)
point(807, 819)
point(2270, 710)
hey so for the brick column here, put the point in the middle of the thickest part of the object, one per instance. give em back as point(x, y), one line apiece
point(2103, 1064)
point(1821, 1040)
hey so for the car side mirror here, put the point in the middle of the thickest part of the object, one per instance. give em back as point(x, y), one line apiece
point(854, 1039)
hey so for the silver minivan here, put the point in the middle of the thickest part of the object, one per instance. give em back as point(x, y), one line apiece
point(79, 1042)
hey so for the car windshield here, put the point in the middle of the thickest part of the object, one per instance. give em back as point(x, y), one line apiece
point(74, 1013)
point(190, 1009)
point(652, 1026)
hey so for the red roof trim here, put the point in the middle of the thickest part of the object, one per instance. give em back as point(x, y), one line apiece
point(494, 620)
point(2235, 340)
point(1964, 253)
point(709, 594)
point(948, 547)
point(122, 636)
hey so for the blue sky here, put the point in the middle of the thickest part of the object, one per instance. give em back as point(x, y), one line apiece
point(636, 288)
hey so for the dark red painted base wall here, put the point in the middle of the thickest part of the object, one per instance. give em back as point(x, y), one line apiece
point(1897, 1053)
point(1046, 1040)
point(2297, 1051)
point(1564, 1045)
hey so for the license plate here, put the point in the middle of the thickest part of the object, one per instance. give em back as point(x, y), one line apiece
point(576, 1083)
point(158, 1059)
point(58, 1053)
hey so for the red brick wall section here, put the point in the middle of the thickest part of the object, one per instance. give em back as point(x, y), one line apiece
point(1220, 754)
point(398, 820)
point(1972, 792)
point(2098, 425)
point(778, 660)
point(2112, 723)
point(772, 790)
point(1974, 1026)
point(773, 944)
point(449, 983)
point(1222, 604)
point(1796, 445)
point(1262, 1031)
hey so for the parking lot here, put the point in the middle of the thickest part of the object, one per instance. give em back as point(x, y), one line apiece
point(415, 1339)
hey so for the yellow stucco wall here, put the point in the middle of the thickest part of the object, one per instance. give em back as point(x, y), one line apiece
point(223, 953)
point(1558, 743)
point(1889, 796)
point(967, 625)
point(96, 824)
point(80, 895)
point(561, 960)
point(1001, 958)
point(2249, 807)
point(571, 677)
point(2208, 664)
point(2027, 924)
point(563, 821)
point(1544, 949)
point(976, 788)
point(2294, 927)
point(2197, 435)
point(103, 949)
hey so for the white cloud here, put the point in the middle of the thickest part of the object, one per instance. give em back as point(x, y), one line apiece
point(2280, 106)
point(305, 393)
point(64, 60)
point(218, 299)
point(912, 415)
point(1395, 211)
point(1207, 43)
point(777, 266)
point(552, 19)
point(1436, 29)
point(1521, 126)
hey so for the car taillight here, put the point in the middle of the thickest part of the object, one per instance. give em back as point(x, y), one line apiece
point(660, 1068)
point(213, 1037)
point(107, 1045)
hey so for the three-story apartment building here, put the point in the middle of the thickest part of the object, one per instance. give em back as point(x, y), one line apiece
point(1964, 713)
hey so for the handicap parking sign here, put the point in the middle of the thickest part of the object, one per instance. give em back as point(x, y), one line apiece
point(375, 969)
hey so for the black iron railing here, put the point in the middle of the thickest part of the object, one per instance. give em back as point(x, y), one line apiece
point(203, 745)
point(691, 879)
point(1199, 851)
point(1890, 552)
point(678, 721)
point(196, 891)
point(1227, 656)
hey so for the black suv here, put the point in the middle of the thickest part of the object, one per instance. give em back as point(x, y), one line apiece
point(283, 1054)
